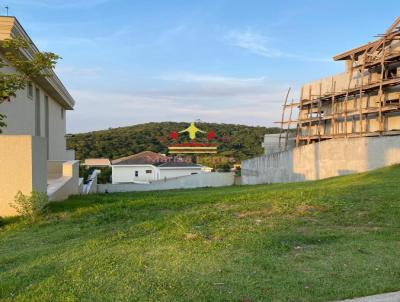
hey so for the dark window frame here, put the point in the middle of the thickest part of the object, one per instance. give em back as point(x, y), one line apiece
point(30, 90)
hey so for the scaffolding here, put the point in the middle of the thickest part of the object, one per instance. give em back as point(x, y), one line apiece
point(373, 73)
point(285, 125)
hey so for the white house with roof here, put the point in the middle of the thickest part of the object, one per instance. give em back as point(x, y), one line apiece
point(148, 166)
point(33, 154)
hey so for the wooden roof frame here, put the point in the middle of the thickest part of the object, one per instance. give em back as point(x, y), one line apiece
point(392, 31)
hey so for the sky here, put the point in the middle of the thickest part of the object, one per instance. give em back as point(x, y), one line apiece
point(226, 61)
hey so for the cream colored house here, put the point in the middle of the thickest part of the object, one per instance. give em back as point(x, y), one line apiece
point(33, 155)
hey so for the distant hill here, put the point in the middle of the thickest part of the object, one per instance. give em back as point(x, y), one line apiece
point(239, 141)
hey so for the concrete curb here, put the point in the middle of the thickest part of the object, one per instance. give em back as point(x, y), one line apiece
point(389, 297)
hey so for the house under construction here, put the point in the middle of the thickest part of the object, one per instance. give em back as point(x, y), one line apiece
point(362, 101)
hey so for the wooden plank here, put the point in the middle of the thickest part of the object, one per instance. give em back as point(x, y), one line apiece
point(288, 126)
point(283, 115)
point(361, 91)
point(319, 111)
point(347, 95)
point(298, 130)
point(380, 93)
point(309, 112)
point(333, 111)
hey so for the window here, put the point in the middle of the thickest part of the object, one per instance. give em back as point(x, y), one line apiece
point(46, 123)
point(30, 90)
point(136, 173)
point(149, 171)
point(62, 113)
point(37, 113)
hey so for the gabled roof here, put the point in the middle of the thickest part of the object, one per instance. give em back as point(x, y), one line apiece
point(97, 162)
point(178, 165)
point(142, 158)
point(11, 28)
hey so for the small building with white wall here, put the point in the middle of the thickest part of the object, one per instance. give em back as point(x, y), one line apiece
point(148, 166)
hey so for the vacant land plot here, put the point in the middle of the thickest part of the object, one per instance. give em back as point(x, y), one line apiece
point(314, 241)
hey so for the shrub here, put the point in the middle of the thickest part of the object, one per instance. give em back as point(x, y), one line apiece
point(238, 171)
point(30, 207)
point(225, 167)
point(105, 176)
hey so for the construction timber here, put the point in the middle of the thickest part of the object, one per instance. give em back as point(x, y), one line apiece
point(362, 101)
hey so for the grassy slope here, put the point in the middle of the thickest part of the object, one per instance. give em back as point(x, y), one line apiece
point(313, 241)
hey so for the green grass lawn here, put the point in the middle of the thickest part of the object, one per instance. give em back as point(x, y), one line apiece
point(314, 241)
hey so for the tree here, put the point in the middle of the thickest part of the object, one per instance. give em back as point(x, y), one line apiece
point(27, 69)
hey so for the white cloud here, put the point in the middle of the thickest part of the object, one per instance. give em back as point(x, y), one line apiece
point(259, 44)
point(212, 98)
point(253, 42)
point(209, 79)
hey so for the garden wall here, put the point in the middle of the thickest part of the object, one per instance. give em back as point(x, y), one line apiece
point(322, 160)
point(184, 182)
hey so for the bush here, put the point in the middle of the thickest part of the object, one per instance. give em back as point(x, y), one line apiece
point(2, 222)
point(238, 171)
point(225, 167)
point(105, 175)
point(30, 207)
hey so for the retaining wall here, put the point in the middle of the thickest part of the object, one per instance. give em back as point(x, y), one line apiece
point(322, 160)
point(184, 182)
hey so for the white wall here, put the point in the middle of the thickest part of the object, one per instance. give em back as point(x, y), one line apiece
point(57, 125)
point(68, 184)
point(178, 172)
point(126, 174)
point(322, 160)
point(187, 182)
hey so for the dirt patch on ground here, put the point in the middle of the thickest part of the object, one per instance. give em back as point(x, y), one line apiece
point(256, 213)
point(190, 236)
point(304, 209)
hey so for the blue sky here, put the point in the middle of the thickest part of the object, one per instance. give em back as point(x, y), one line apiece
point(128, 62)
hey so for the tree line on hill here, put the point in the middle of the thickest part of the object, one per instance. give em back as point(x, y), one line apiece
point(234, 141)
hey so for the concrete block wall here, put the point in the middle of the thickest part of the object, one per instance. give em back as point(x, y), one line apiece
point(322, 160)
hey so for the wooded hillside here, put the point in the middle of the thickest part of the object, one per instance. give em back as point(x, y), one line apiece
point(237, 141)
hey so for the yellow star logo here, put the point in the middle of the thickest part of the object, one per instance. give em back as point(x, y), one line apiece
point(192, 130)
